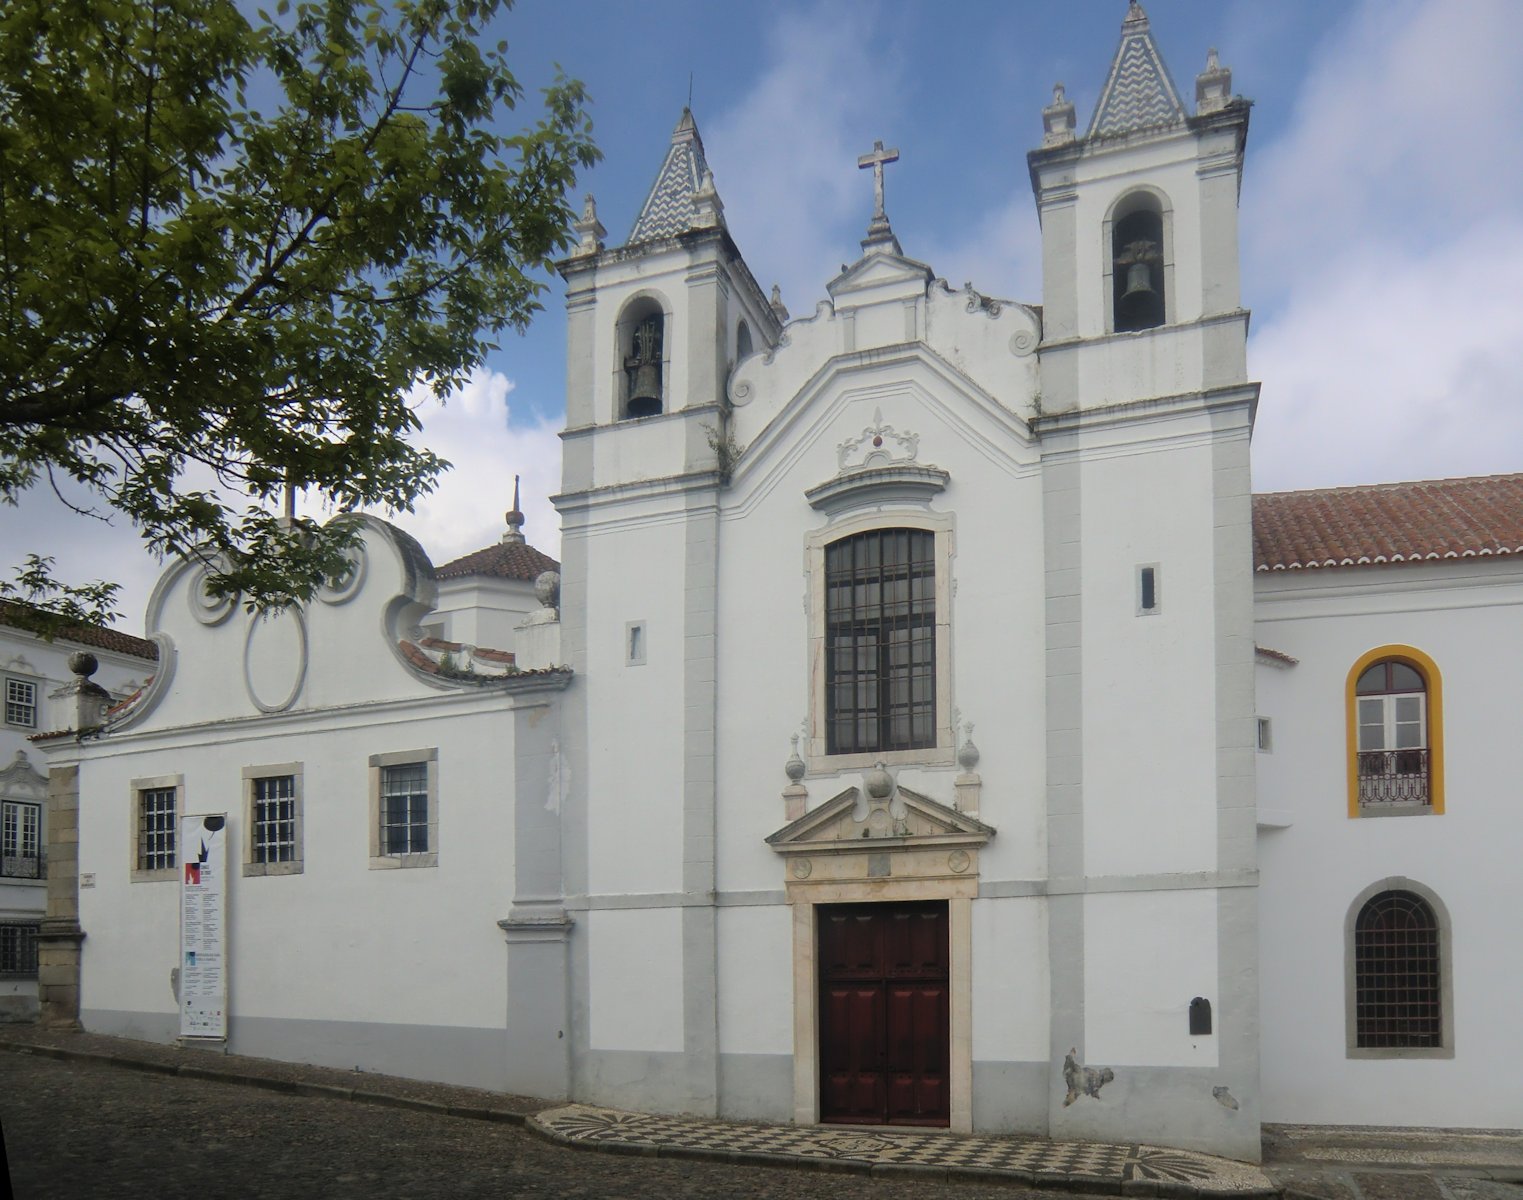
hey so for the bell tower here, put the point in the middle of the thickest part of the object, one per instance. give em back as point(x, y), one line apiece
point(654, 328)
point(1139, 234)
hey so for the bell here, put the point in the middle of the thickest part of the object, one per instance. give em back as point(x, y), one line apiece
point(645, 391)
point(1138, 279)
point(1140, 307)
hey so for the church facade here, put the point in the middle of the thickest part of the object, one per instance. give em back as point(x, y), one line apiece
point(888, 748)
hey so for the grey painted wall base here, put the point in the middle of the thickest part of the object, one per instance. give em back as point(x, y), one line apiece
point(640, 1080)
point(1164, 1106)
point(756, 1087)
point(469, 1057)
point(1010, 1097)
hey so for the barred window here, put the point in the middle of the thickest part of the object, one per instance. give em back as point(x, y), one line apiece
point(404, 809)
point(272, 829)
point(157, 810)
point(880, 641)
point(18, 949)
point(20, 840)
point(1398, 994)
point(21, 703)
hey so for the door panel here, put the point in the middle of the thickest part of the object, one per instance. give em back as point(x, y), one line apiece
point(885, 1013)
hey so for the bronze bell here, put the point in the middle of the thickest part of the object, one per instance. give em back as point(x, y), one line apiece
point(645, 390)
point(1139, 278)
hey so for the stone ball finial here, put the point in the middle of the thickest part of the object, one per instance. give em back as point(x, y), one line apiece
point(795, 766)
point(83, 663)
point(968, 755)
point(547, 589)
point(879, 783)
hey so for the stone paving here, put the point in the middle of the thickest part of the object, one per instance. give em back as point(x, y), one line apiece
point(1081, 1166)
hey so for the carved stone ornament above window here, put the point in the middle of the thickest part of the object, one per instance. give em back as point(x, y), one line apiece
point(879, 444)
point(866, 486)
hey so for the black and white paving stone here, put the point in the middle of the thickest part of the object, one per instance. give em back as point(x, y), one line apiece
point(1090, 1166)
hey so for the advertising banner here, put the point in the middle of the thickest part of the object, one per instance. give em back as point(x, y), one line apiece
point(203, 926)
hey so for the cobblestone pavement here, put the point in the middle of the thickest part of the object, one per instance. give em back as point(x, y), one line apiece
point(78, 1129)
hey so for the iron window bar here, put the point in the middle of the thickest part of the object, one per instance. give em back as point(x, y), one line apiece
point(1397, 987)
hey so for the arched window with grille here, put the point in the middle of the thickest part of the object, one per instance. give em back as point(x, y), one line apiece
point(1394, 730)
point(1400, 995)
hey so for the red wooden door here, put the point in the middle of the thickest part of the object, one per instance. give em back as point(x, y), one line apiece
point(884, 1013)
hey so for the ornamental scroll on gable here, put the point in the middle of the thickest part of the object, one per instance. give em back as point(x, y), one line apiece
point(878, 465)
point(878, 832)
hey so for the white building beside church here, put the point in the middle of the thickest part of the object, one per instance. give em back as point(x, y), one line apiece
point(721, 839)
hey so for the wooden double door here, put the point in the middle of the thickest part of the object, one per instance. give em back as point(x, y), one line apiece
point(885, 1013)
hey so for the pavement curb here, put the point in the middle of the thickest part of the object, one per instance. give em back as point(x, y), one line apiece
point(325, 1091)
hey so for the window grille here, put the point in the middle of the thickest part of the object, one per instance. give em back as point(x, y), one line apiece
point(1397, 985)
point(404, 809)
point(21, 703)
point(157, 810)
point(21, 840)
point(880, 614)
point(18, 949)
point(273, 836)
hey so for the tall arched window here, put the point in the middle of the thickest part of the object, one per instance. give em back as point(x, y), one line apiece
point(1398, 974)
point(1394, 723)
point(880, 641)
point(743, 345)
point(1137, 264)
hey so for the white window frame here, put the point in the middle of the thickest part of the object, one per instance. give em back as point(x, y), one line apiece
point(15, 685)
point(944, 548)
point(21, 834)
point(155, 783)
point(251, 778)
point(429, 760)
point(1389, 703)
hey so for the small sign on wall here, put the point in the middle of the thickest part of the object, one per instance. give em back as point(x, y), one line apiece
point(203, 926)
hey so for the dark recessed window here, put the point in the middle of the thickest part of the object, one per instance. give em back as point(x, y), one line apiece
point(880, 635)
point(1397, 986)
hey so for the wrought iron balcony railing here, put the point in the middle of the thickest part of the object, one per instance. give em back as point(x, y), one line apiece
point(1393, 777)
point(23, 866)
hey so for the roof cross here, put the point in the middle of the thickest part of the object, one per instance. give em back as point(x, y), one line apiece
point(875, 160)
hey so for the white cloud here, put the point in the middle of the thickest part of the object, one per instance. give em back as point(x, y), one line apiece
point(1383, 229)
point(781, 155)
point(473, 432)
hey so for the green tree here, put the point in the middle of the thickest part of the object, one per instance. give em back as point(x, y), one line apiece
point(239, 241)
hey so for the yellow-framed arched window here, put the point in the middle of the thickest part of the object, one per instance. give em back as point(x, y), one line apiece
point(1395, 720)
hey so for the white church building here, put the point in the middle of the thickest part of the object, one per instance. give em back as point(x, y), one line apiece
point(930, 727)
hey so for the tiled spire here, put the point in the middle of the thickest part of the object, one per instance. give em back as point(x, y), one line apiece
point(671, 208)
point(1138, 93)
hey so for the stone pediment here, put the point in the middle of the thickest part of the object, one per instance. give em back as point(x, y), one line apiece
point(852, 822)
point(19, 780)
point(879, 277)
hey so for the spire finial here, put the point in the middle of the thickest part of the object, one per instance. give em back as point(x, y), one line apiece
point(515, 519)
point(879, 235)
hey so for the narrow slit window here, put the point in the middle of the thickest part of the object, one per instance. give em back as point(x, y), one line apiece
point(634, 643)
point(1149, 599)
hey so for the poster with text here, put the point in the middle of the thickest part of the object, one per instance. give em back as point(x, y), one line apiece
point(203, 926)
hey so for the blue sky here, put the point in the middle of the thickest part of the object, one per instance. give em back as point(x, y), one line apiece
point(1382, 210)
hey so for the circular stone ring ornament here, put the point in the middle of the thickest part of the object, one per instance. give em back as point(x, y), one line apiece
point(208, 609)
point(959, 861)
point(275, 659)
point(347, 585)
point(802, 868)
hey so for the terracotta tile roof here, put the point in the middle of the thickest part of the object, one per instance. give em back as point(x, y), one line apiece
point(505, 560)
point(1388, 523)
point(99, 636)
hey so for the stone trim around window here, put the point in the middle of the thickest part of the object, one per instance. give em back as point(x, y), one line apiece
point(295, 864)
point(23, 696)
point(135, 849)
point(944, 751)
point(1352, 1048)
point(429, 759)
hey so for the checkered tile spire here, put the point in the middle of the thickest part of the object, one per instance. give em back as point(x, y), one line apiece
point(1138, 93)
point(669, 209)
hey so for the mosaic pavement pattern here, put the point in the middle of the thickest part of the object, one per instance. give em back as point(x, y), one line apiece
point(1094, 1163)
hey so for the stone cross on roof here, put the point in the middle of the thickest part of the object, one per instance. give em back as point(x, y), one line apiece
point(878, 232)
